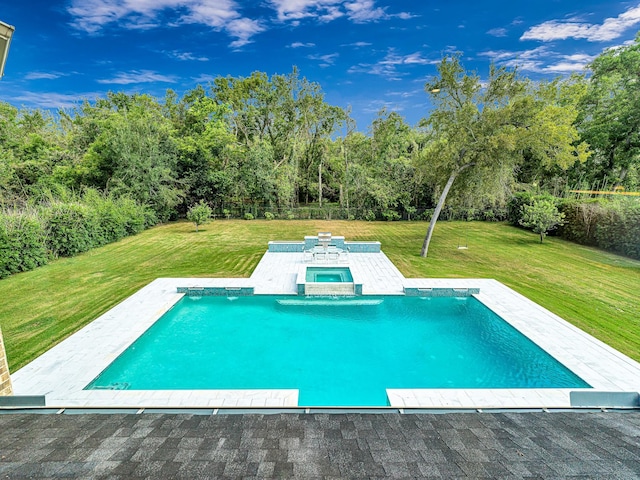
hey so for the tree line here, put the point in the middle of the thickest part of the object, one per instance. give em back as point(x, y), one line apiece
point(239, 144)
point(263, 145)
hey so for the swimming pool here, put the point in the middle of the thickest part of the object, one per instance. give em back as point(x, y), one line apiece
point(335, 352)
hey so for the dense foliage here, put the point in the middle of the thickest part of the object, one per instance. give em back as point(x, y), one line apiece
point(612, 225)
point(272, 147)
point(30, 237)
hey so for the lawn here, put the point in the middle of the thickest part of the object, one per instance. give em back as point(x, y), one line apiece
point(594, 290)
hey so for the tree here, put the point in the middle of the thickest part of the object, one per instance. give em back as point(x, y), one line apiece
point(610, 117)
point(285, 116)
point(541, 216)
point(133, 153)
point(483, 132)
point(199, 213)
point(201, 134)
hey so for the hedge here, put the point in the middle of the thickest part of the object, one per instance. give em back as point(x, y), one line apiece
point(22, 243)
point(31, 237)
point(612, 225)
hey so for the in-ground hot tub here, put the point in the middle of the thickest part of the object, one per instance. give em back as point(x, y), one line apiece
point(328, 275)
point(327, 281)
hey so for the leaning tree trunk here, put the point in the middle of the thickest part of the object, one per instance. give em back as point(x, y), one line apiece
point(436, 212)
point(320, 184)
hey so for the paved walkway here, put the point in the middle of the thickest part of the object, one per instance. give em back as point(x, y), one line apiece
point(508, 445)
point(277, 272)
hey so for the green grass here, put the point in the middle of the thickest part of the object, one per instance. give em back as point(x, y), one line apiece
point(596, 291)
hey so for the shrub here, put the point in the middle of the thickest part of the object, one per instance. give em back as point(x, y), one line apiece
point(66, 228)
point(69, 228)
point(606, 224)
point(369, 215)
point(390, 215)
point(618, 229)
point(519, 200)
point(136, 217)
point(108, 218)
point(269, 215)
point(580, 220)
point(150, 218)
point(427, 214)
point(22, 243)
point(248, 216)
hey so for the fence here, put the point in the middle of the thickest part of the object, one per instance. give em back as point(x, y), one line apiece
point(336, 212)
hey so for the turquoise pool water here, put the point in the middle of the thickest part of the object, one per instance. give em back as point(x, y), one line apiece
point(335, 352)
point(329, 274)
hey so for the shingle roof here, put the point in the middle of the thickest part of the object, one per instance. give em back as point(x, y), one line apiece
point(351, 445)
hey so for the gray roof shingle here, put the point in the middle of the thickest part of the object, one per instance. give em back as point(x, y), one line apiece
point(347, 445)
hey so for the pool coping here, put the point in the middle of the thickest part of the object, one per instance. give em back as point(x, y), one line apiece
point(61, 373)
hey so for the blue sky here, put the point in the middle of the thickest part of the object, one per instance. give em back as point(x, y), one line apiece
point(366, 54)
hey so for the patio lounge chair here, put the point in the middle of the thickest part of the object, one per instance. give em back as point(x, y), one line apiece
point(320, 256)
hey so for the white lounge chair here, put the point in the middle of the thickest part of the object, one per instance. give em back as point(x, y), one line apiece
point(320, 256)
point(307, 256)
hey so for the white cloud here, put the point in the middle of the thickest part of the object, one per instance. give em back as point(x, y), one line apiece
point(91, 16)
point(540, 60)
point(331, 14)
point(356, 44)
point(302, 45)
point(362, 11)
point(405, 93)
point(243, 29)
point(52, 100)
point(570, 63)
point(507, 57)
point(204, 78)
point(358, 11)
point(44, 75)
point(610, 29)
point(186, 56)
point(138, 76)
point(388, 66)
point(326, 60)
point(413, 58)
point(404, 15)
point(388, 71)
point(376, 105)
point(298, 9)
point(498, 32)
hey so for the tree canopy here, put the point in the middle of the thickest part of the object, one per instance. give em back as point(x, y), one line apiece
point(610, 120)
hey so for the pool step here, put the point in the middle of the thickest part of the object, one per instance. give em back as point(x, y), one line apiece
point(330, 301)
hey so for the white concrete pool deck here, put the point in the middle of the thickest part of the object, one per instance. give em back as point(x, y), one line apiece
point(62, 372)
